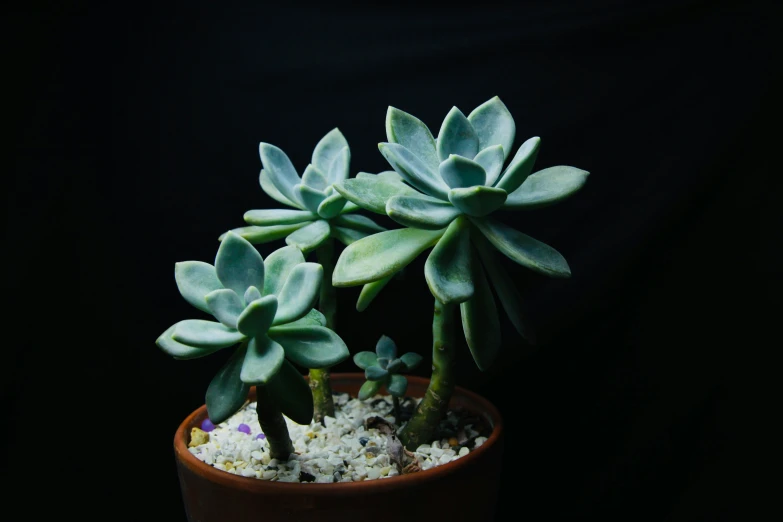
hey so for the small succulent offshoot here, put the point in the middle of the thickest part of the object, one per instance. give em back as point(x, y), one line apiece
point(266, 307)
point(318, 215)
point(382, 368)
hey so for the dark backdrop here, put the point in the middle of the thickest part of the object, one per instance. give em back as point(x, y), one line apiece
point(134, 145)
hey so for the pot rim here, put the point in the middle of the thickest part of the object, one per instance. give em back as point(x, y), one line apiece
point(252, 484)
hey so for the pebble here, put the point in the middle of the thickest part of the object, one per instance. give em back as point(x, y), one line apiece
point(198, 437)
point(207, 425)
point(244, 428)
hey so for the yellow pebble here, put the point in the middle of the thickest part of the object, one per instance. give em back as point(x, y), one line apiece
point(310, 434)
point(229, 465)
point(198, 437)
point(453, 441)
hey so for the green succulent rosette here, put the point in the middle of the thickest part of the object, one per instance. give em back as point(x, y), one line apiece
point(383, 367)
point(266, 307)
point(446, 192)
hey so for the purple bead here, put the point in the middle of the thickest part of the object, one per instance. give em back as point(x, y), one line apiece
point(260, 436)
point(207, 425)
point(244, 428)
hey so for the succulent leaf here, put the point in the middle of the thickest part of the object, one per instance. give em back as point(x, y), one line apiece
point(457, 136)
point(310, 237)
point(493, 124)
point(263, 360)
point(521, 166)
point(372, 193)
point(413, 170)
point(340, 167)
point(411, 360)
point(386, 348)
point(349, 206)
point(395, 366)
point(410, 132)
point(327, 149)
point(225, 305)
point(397, 385)
point(251, 294)
point(369, 389)
point(459, 172)
point(205, 334)
point(546, 187)
point(310, 346)
point(477, 201)
point(299, 292)
point(311, 197)
point(257, 317)
point(226, 393)
point(313, 318)
point(195, 279)
point(277, 216)
point(180, 350)
point(359, 222)
point(269, 187)
point(315, 178)
point(365, 359)
point(381, 255)
point(238, 264)
point(491, 159)
point(375, 373)
point(480, 321)
point(447, 268)
point(523, 249)
point(289, 390)
point(278, 266)
point(369, 292)
point(257, 235)
point(331, 206)
point(420, 211)
point(346, 236)
point(280, 170)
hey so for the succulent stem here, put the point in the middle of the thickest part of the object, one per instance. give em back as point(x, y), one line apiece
point(422, 426)
point(273, 425)
point(320, 380)
point(397, 410)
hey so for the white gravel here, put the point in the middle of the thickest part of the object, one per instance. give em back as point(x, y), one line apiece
point(334, 453)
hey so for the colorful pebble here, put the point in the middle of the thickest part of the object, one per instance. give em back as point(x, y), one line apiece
point(244, 428)
point(260, 436)
point(207, 425)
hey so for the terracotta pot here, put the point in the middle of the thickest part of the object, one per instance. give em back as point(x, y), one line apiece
point(465, 489)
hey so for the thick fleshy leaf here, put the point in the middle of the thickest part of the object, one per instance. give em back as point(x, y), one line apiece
point(205, 334)
point(281, 171)
point(313, 318)
point(315, 178)
point(413, 170)
point(258, 235)
point(226, 392)
point(327, 149)
point(546, 187)
point(480, 321)
point(310, 346)
point(504, 287)
point(291, 393)
point(359, 222)
point(299, 292)
point(311, 197)
point(523, 249)
point(349, 206)
point(410, 132)
point(346, 236)
point(369, 389)
point(310, 237)
point(269, 187)
point(278, 266)
point(395, 366)
point(365, 359)
point(375, 373)
point(258, 316)
point(491, 159)
point(411, 360)
point(195, 279)
point(457, 136)
point(381, 255)
point(371, 193)
point(520, 167)
point(331, 206)
point(494, 125)
point(263, 360)
point(341, 166)
point(459, 172)
point(386, 348)
point(179, 350)
point(420, 211)
point(225, 305)
point(238, 264)
point(277, 216)
point(447, 269)
point(477, 201)
point(369, 292)
point(251, 294)
point(397, 385)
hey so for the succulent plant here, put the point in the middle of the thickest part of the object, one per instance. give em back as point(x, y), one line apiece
point(382, 369)
point(444, 191)
point(266, 307)
point(318, 217)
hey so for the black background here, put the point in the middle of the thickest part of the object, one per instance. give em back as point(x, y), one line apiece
point(134, 138)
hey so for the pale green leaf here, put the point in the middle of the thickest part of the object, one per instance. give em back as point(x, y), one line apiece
point(310, 346)
point(290, 392)
point(420, 211)
point(494, 125)
point(257, 235)
point(327, 149)
point(269, 187)
point(263, 360)
point(311, 197)
point(238, 264)
point(371, 193)
point(278, 266)
point(457, 136)
point(315, 178)
point(411, 360)
point(477, 201)
point(313, 318)
point(386, 348)
point(180, 350)
point(410, 132)
point(310, 237)
point(340, 167)
point(205, 334)
point(546, 187)
point(365, 359)
point(459, 172)
point(520, 167)
point(397, 385)
point(195, 279)
point(369, 389)
point(225, 305)
point(331, 206)
point(277, 216)
point(258, 316)
point(370, 291)
point(346, 236)
point(491, 159)
point(375, 373)
point(280, 170)
point(226, 392)
point(480, 321)
point(447, 268)
point(359, 222)
point(299, 292)
point(252, 293)
point(413, 170)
